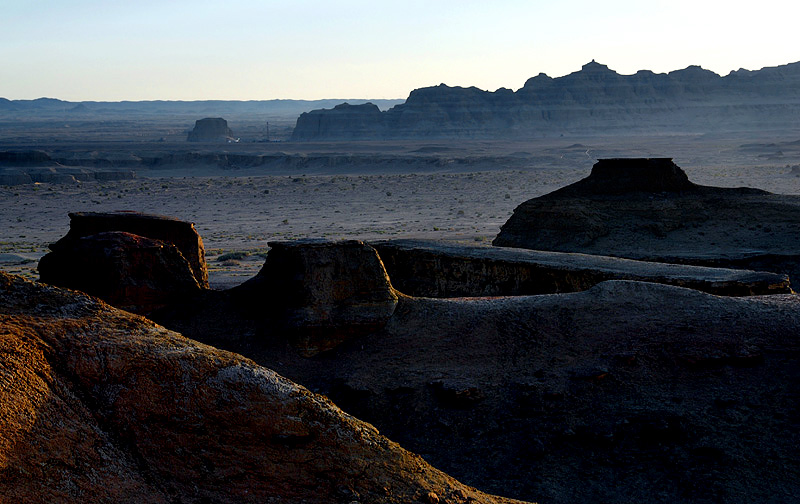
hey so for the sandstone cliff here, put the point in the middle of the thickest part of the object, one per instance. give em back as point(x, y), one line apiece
point(595, 99)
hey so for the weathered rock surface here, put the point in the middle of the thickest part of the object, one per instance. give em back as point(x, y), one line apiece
point(102, 406)
point(128, 271)
point(590, 100)
point(322, 292)
point(210, 129)
point(641, 392)
point(645, 209)
point(436, 269)
point(180, 233)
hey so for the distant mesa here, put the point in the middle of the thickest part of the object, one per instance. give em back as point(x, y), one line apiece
point(591, 100)
point(211, 129)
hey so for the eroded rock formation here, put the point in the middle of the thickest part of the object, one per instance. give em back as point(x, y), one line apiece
point(593, 99)
point(647, 209)
point(134, 261)
point(180, 233)
point(322, 292)
point(435, 269)
point(102, 406)
point(210, 129)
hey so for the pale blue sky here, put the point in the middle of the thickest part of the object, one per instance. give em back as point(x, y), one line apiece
point(256, 50)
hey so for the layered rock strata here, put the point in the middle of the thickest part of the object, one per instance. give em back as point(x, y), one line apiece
point(647, 209)
point(594, 99)
point(436, 269)
point(102, 406)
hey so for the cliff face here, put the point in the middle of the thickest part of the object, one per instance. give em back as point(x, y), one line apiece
point(593, 99)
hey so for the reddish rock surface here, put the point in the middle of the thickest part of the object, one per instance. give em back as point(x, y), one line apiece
point(102, 406)
point(158, 227)
point(129, 271)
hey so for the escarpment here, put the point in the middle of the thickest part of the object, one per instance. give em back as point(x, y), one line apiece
point(592, 100)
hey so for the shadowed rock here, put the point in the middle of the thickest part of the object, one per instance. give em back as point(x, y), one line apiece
point(323, 292)
point(129, 271)
point(158, 227)
point(647, 209)
point(435, 269)
point(210, 129)
point(102, 406)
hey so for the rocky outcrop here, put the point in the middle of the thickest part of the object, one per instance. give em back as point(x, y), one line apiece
point(594, 99)
point(210, 129)
point(645, 209)
point(436, 269)
point(102, 406)
point(322, 292)
point(180, 233)
point(128, 271)
point(634, 389)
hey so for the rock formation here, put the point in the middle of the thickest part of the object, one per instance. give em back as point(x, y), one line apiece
point(26, 167)
point(634, 389)
point(128, 271)
point(134, 261)
point(434, 269)
point(647, 209)
point(590, 100)
point(102, 406)
point(157, 227)
point(210, 129)
point(323, 293)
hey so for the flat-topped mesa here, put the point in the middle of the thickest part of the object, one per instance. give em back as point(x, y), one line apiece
point(210, 129)
point(323, 292)
point(180, 233)
point(647, 209)
point(626, 175)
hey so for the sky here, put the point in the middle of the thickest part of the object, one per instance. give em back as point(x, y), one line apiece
point(111, 50)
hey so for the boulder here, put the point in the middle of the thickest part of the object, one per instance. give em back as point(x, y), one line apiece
point(102, 406)
point(128, 271)
point(210, 129)
point(437, 269)
point(647, 209)
point(180, 233)
point(323, 292)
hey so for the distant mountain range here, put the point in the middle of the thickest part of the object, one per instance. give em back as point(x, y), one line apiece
point(594, 100)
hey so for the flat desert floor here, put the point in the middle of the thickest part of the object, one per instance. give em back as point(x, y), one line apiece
point(243, 210)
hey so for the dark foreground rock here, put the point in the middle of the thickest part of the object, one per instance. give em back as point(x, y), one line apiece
point(322, 292)
point(625, 392)
point(128, 271)
point(436, 269)
point(157, 227)
point(647, 209)
point(102, 406)
point(210, 129)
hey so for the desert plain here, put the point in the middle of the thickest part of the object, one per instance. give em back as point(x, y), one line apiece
point(453, 190)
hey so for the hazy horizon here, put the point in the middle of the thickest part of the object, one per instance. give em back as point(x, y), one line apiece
point(88, 50)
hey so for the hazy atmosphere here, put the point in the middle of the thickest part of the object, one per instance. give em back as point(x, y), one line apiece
point(247, 49)
point(433, 252)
